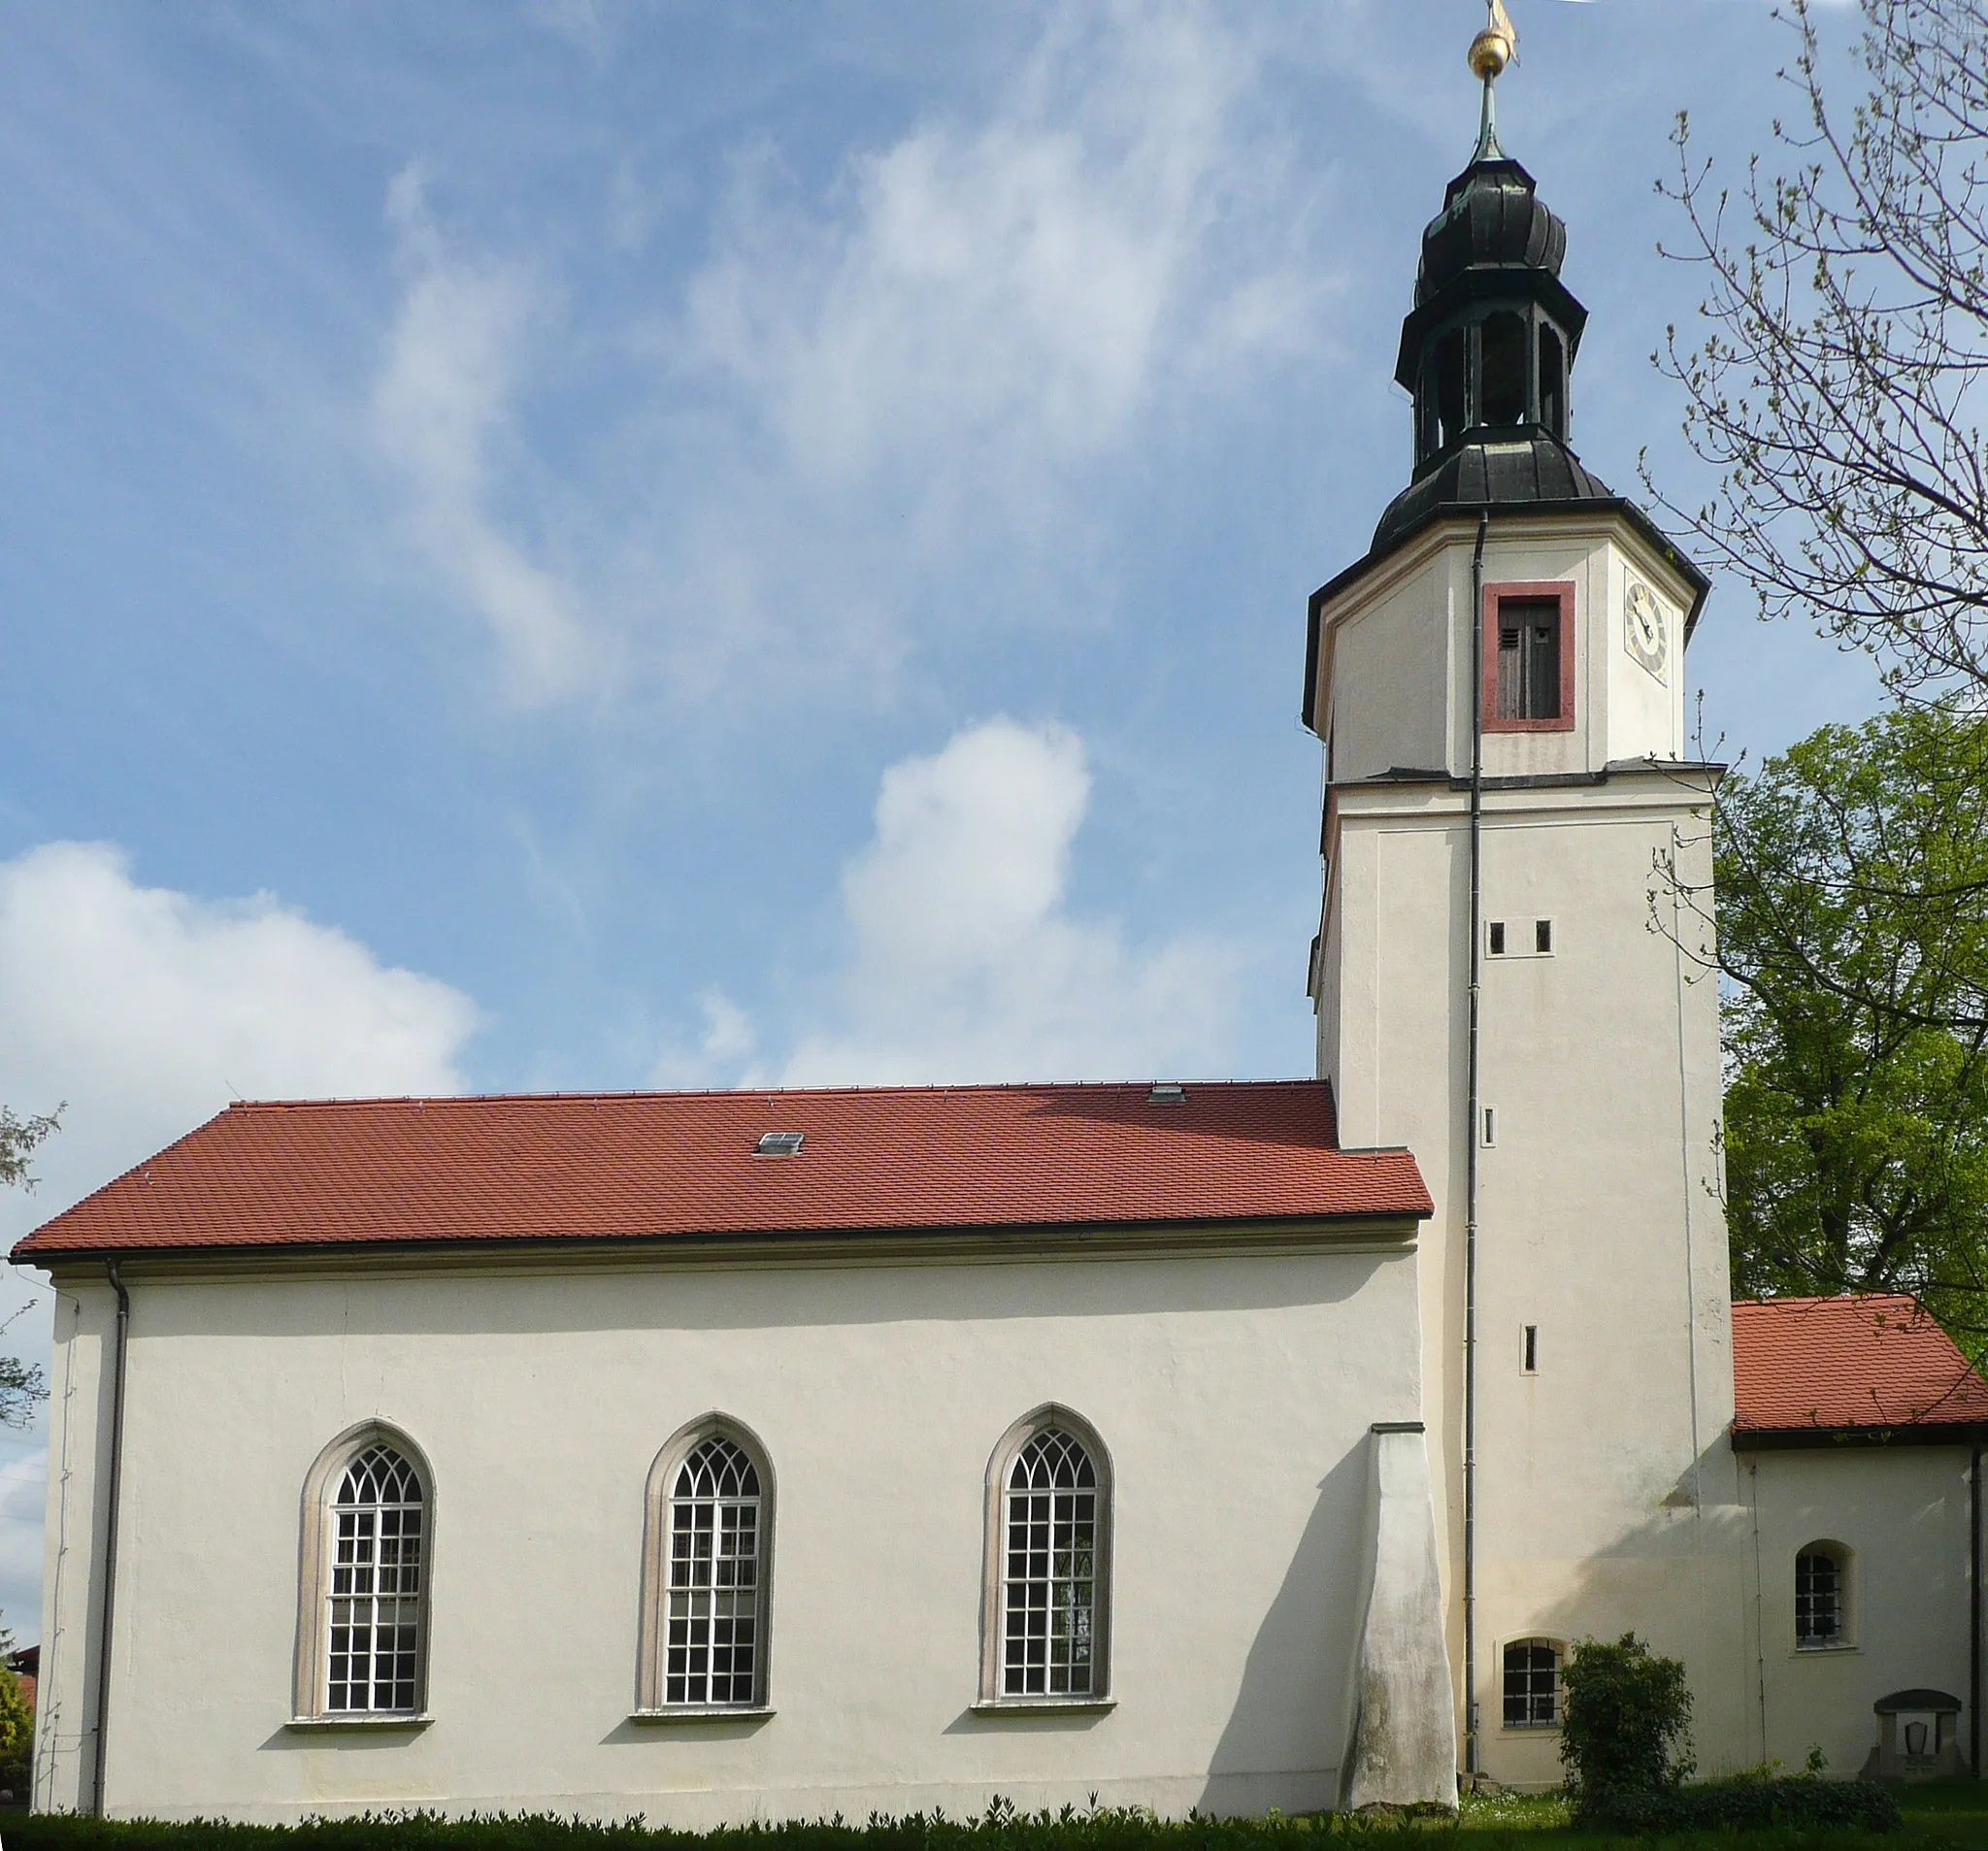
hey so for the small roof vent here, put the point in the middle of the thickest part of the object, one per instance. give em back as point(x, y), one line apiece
point(778, 1144)
point(1167, 1094)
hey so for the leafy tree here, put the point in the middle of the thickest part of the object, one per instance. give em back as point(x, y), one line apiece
point(17, 1734)
point(1625, 1727)
point(21, 1386)
point(1852, 883)
point(18, 1139)
point(1839, 389)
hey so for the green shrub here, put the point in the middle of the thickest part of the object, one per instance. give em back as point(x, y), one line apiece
point(1625, 1724)
point(1797, 1800)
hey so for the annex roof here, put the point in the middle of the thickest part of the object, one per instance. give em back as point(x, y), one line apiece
point(1866, 1364)
point(592, 1167)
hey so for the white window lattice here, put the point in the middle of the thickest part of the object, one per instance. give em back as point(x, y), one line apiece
point(1049, 1586)
point(377, 1535)
point(711, 1653)
point(1818, 1599)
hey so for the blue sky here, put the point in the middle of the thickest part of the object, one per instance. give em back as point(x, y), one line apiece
point(595, 544)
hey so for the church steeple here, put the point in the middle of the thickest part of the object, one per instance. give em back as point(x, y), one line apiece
point(1487, 350)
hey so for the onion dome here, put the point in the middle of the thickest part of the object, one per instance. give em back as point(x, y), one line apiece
point(1486, 352)
point(1491, 214)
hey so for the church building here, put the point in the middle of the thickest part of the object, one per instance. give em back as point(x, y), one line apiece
point(1218, 1445)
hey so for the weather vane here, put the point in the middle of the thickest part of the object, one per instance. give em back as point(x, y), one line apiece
point(1491, 50)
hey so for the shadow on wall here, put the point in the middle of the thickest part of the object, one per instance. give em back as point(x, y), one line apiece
point(1681, 1580)
point(1283, 1742)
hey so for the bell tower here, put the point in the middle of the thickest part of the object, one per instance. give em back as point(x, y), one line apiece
point(1497, 686)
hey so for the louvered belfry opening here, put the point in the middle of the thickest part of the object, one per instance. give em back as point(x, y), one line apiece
point(1529, 659)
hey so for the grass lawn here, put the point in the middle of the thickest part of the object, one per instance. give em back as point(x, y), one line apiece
point(1953, 1815)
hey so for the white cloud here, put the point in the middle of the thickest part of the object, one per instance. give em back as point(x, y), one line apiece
point(1010, 284)
point(949, 358)
point(870, 389)
point(145, 1010)
point(440, 403)
point(963, 959)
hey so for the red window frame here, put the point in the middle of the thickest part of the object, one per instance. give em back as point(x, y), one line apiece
point(1530, 592)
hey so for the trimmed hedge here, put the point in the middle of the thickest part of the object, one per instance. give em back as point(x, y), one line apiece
point(1799, 1800)
point(1001, 1827)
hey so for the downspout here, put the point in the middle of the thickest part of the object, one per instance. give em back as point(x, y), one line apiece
point(111, 1527)
point(1975, 1614)
point(1471, 1742)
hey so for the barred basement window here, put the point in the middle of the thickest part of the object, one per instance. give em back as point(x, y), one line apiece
point(368, 1525)
point(706, 1570)
point(1821, 1596)
point(1049, 1546)
point(1532, 1684)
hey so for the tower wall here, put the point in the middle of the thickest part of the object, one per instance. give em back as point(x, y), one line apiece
point(1606, 1496)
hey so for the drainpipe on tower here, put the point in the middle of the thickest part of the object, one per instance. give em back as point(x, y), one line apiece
point(112, 1487)
point(1974, 1613)
point(1471, 1744)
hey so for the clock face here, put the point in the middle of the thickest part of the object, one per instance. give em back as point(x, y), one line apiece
point(1644, 633)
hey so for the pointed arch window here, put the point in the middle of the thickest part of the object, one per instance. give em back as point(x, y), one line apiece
point(368, 1539)
point(1046, 1628)
point(707, 1572)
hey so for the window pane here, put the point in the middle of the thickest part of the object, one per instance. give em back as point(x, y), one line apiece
point(1050, 1594)
point(713, 1654)
point(1532, 1685)
point(1818, 1599)
point(374, 1620)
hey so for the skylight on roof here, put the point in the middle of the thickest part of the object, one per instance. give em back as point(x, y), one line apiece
point(1167, 1094)
point(778, 1143)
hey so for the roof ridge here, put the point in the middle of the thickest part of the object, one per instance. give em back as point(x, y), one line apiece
point(636, 1094)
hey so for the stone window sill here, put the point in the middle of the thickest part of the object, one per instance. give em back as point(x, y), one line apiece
point(1043, 1705)
point(704, 1713)
point(1837, 1650)
point(361, 1721)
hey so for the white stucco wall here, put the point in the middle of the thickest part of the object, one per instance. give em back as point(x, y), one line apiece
point(1902, 1511)
point(1233, 1391)
point(1606, 1496)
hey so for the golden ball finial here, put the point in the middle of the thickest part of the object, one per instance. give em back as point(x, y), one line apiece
point(1490, 52)
point(1494, 48)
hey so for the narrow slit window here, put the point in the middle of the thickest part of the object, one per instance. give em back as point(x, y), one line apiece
point(1529, 1350)
point(378, 1533)
point(1494, 938)
point(1490, 1125)
point(1529, 659)
point(1542, 937)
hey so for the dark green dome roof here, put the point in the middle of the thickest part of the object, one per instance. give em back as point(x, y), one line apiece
point(1526, 467)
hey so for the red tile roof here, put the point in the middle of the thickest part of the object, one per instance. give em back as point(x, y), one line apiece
point(343, 1173)
point(1873, 1361)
